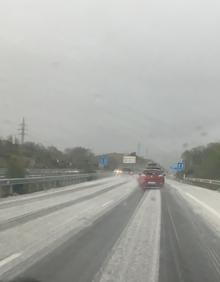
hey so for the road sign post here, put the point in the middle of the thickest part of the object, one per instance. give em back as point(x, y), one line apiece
point(103, 161)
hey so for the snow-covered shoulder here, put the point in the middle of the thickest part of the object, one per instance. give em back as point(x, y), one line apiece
point(203, 201)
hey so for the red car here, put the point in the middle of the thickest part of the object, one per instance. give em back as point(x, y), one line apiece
point(151, 178)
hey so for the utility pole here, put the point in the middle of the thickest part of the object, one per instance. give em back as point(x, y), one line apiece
point(22, 130)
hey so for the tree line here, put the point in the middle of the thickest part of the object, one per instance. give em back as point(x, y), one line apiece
point(17, 157)
point(203, 161)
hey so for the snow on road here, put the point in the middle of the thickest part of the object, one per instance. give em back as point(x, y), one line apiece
point(135, 256)
point(51, 192)
point(55, 199)
point(46, 233)
point(204, 202)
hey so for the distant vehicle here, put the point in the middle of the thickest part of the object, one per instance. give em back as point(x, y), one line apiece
point(151, 177)
point(123, 172)
point(118, 172)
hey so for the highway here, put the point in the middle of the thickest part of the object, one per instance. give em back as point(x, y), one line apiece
point(109, 230)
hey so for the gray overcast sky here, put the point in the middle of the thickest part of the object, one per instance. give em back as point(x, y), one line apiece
point(110, 74)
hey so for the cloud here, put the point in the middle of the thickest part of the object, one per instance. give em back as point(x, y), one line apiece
point(108, 75)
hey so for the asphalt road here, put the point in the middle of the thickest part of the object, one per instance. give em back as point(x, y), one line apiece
point(156, 236)
point(190, 249)
point(80, 257)
point(31, 216)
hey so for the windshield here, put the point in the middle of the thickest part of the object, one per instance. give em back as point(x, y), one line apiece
point(110, 140)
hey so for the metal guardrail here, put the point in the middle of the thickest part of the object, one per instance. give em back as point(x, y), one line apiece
point(50, 171)
point(207, 183)
point(31, 172)
point(33, 184)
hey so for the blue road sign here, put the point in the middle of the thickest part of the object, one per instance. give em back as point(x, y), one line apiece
point(178, 167)
point(103, 161)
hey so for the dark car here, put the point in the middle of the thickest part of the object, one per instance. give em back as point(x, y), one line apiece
point(152, 177)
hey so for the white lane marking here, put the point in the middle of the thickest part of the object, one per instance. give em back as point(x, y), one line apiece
point(9, 259)
point(203, 204)
point(107, 203)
